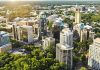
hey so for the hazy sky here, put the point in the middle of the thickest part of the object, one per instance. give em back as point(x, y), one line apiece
point(49, 0)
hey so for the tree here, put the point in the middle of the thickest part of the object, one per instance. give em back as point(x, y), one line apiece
point(82, 68)
point(19, 11)
point(87, 18)
point(96, 18)
point(58, 66)
point(51, 51)
point(50, 24)
point(36, 60)
point(69, 22)
point(16, 44)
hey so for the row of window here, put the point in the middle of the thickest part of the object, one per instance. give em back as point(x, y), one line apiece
point(4, 40)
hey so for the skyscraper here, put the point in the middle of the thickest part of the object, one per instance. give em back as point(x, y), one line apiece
point(66, 37)
point(64, 48)
point(5, 44)
point(94, 55)
point(23, 33)
point(85, 31)
point(78, 21)
point(42, 24)
point(77, 15)
point(49, 41)
point(14, 31)
point(26, 33)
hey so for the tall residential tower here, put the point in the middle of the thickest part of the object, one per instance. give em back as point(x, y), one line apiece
point(94, 55)
point(64, 48)
point(77, 15)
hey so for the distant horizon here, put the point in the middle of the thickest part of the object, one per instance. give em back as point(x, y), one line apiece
point(51, 0)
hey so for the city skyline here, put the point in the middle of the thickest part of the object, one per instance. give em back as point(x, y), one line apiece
point(49, 0)
point(49, 34)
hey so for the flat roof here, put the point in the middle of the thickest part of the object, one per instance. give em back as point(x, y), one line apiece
point(64, 47)
point(97, 40)
point(3, 32)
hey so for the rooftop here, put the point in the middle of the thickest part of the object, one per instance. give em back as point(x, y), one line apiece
point(66, 30)
point(2, 33)
point(64, 47)
point(24, 26)
point(97, 40)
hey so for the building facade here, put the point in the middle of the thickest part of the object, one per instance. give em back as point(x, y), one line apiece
point(23, 33)
point(64, 48)
point(42, 25)
point(84, 31)
point(77, 15)
point(5, 44)
point(49, 41)
point(64, 54)
point(94, 55)
point(66, 37)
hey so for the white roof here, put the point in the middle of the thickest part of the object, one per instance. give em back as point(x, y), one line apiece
point(17, 52)
point(97, 40)
point(52, 17)
point(85, 26)
point(41, 13)
point(66, 30)
point(17, 19)
point(64, 47)
point(9, 26)
point(2, 18)
point(2, 32)
point(88, 27)
point(25, 26)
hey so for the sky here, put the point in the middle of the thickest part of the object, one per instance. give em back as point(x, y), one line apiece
point(49, 0)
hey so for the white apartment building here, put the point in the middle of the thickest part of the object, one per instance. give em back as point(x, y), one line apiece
point(23, 33)
point(5, 44)
point(64, 48)
point(94, 55)
point(85, 31)
point(49, 41)
point(66, 37)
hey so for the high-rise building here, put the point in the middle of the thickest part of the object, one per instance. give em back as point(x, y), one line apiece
point(26, 33)
point(14, 30)
point(78, 21)
point(49, 41)
point(64, 54)
point(56, 28)
point(23, 33)
point(36, 27)
point(5, 44)
point(77, 15)
point(42, 24)
point(66, 37)
point(94, 55)
point(64, 48)
point(84, 31)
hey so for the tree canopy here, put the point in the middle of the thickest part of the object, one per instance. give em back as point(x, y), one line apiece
point(37, 60)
